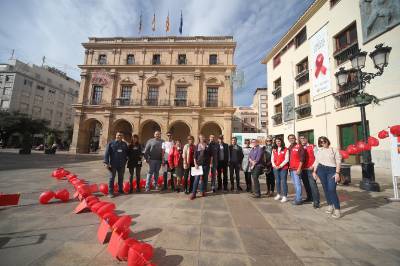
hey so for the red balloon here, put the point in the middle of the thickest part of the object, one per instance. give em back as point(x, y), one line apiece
point(97, 206)
point(123, 223)
point(136, 259)
point(352, 149)
point(344, 154)
point(92, 202)
point(84, 190)
point(142, 183)
point(123, 251)
point(134, 184)
point(110, 218)
point(116, 188)
point(109, 207)
point(372, 141)
point(92, 198)
point(126, 187)
point(395, 130)
point(46, 196)
point(103, 188)
point(62, 195)
point(144, 249)
point(383, 134)
point(160, 181)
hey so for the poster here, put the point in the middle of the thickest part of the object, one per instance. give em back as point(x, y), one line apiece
point(319, 62)
point(395, 154)
point(242, 136)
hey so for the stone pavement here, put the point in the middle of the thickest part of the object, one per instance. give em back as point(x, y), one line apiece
point(223, 229)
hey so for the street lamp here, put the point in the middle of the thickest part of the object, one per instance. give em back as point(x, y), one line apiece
point(380, 57)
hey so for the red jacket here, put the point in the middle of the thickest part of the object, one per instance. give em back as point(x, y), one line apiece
point(296, 155)
point(175, 158)
point(280, 157)
point(310, 157)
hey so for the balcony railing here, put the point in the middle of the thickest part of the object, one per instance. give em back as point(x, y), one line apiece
point(303, 110)
point(346, 98)
point(180, 102)
point(217, 104)
point(342, 55)
point(302, 78)
point(125, 102)
point(277, 118)
point(95, 102)
point(277, 92)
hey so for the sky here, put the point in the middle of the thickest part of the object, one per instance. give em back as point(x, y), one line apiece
point(56, 28)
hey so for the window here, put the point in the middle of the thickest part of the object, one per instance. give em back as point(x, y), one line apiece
point(347, 37)
point(252, 129)
point(152, 98)
point(96, 94)
point(333, 2)
point(301, 37)
point(212, 97)
point(40, 88)
point(48, 114)
point(278, 108)
point(9, 78)
point(245, 129)
point(304, 98)
point(181, 96)
point(36, 111)
point(277, 92)
point(302, 66)
point(28, 82)
point(263, 124)
point(38, 100)
point(308, 134)
point(182, 59)
point(4, 104)
point(252, 120)
point(263, 114)
point(102, 59)
point(51, 91)
point(23, 107)
point(302, 76)
point(7, 91)
point(156, 59)
point(263, 97)
point(245, 120)
point(213, 60)
point(263, 105)
point(130, 59)
point(126, 92)
point(277, 60)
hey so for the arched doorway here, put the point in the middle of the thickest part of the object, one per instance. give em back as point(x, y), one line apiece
point(180, 130)
point(122, 126)
point(211, 128)
point(148, 129)
point(89, 136)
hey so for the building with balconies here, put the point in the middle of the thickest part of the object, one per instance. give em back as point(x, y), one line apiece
point(305, 97)
point(139, 85)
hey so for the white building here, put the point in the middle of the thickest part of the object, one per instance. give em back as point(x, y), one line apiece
point(41, 92)
point(300, 104)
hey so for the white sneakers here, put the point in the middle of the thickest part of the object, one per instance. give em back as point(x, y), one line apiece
point(329, 210)
point(336, 214)
point(278, 197)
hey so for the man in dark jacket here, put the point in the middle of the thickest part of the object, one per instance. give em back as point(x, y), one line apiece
point(235, 163)
point(115, 160)
point(222, 166)
point(213, 147)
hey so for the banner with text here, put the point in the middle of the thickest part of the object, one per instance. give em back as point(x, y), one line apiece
point(319, 62)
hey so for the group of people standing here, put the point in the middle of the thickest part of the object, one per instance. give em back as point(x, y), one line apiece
point(191, 165)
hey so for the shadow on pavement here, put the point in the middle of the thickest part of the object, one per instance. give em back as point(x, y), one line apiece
point(160, 258)
point(23, 240)
point(146, 233)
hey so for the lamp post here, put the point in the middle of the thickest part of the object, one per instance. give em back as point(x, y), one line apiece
point(380, 57)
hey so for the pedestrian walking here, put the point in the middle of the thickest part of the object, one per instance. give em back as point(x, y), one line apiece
point(327, 168)
point(175, 162)
point(309, 182)
point(280, 160)
point(115, 159)
point(135, 155)
point(153, 153)
point(235, 163)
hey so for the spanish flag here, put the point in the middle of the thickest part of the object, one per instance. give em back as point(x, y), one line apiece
point(167, 24)
point(153, 23)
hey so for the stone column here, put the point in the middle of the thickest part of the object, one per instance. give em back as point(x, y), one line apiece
point(227, 126)
point(195, 124)
point(106, 131)
point(197, 88)
point(77, 133)
point(136, 123)
point(228, 96)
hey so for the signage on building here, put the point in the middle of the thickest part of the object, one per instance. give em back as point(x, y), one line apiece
point(101, 77)
point(288, 108)
point(319, 62)
point(241, 137)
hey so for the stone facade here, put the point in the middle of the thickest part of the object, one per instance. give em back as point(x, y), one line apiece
point(138, 85)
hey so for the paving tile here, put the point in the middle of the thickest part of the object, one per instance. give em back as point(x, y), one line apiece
point(217, 219)
point(244, 214)
point(172, 257)
point(222, 259)
point(219, 239)
point(185, 237)
point(272, 260)
point(185, 216)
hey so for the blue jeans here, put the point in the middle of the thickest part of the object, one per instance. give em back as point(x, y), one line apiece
point(297, 185)
point(197, 180)
point(154, 169)
point(281, 181)
point(327, 176)
point(120, 171)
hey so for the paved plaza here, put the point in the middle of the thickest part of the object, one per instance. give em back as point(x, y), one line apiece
point(222, 229)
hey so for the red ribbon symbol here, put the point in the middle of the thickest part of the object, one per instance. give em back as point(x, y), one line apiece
point(319, 67)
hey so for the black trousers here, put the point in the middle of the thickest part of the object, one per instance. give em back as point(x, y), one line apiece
point(247, 177)
point(222, 170)
point(234, 168)
point(270, 181)
point(307, 186)
point(132, 171)
point(186, 175)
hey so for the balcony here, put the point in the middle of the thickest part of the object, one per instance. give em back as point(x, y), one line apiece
point(346, 98)
point(342, 55)
point(217, 104)
point(303, 110)
point(98, 102)
point(182, 61)
point(180, 102)
point(125, 102)
point(277, 92)
point(302, 78)
point(277, 118)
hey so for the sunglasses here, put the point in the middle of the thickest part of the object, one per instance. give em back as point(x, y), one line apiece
point(322, 141)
